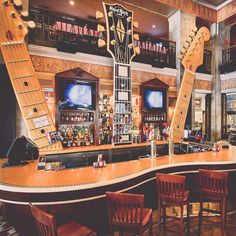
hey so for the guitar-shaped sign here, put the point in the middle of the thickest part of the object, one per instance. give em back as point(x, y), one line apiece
point(192, 55)
point(120, 44)
point(27, 89)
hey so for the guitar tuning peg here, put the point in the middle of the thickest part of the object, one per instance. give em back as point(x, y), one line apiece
point(183, 50)
point(136, 36)
point(100, 28)
point(12, 14)
point(20, 25)
point(192, 34)
point(17, 4)
point(186, 45)
point(129, 18)
point(112, 28)
point(129, 32)
point(135, 24)
point(101, 43)
point(113, 42)
point(110, 13)
point(5, 3)
point(99, 15)
point(137, 50)
point(180, 56)
point(24, 15)
point(31, 24)
point(189, 39)
point(194, 29)
point(130, 45)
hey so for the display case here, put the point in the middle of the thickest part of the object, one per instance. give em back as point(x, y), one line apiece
point(77, 108)
point(154, 110)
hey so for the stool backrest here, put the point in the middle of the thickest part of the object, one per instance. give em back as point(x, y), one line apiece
point(170, 186)
point(44, 222)
point(213, 181)
point(125, 209)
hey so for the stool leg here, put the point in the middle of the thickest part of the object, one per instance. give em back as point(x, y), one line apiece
point(182, 220)
point(164, 217)
point(150, 227)
point(188, 218)
point(200, 217)
point(223, 217)
point(159, 217)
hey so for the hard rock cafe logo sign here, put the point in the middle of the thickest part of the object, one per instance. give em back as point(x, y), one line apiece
point(118, 11)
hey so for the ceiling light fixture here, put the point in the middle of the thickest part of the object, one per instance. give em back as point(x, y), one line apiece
point(72, 3)
point(153, 26)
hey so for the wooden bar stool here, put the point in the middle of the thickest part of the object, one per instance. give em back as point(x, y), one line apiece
point(126, 213)
point(46, 225)
point(171, 192)
point(213, 188)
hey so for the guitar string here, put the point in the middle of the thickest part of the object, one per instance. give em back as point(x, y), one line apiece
point(26, 97)
point(46, 113)
point(116, 126)
point(15, 51)
point(8, 56)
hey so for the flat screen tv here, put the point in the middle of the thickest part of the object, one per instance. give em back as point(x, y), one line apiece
point(76, 95)
point(154, 99)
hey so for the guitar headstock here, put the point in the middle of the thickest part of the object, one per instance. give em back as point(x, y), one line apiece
point(193, 50)
point(13, 27)
point(119, 32)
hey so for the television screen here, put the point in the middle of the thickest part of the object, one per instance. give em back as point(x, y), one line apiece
point(74, 95)
point(153, 99)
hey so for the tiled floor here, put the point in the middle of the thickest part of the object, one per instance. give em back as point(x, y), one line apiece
point(209, 227)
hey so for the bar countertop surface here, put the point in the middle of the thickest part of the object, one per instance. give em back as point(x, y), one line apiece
point(28, 179)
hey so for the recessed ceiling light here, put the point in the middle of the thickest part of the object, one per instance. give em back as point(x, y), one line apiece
point(72, 3)
point(153, 26)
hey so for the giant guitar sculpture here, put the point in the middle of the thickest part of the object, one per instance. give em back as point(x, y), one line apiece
point(26, 86)
point(192, 55)
point(120, 37)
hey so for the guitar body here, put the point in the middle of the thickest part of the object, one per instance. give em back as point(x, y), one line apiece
point(34, 109)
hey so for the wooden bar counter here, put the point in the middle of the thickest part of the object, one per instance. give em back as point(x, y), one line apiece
point(24, 184)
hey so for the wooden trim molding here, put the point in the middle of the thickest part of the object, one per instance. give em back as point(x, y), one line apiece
point(203, 11)
point(192, 8)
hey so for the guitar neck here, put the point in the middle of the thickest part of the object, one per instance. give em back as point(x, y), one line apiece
point(182, 104)
point(29, 95)
point(122, 116)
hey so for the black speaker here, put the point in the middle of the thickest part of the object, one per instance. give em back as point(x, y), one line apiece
point(21, 149)
point(63, 46)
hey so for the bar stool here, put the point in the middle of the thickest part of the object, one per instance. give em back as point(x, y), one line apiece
point(213, 187)
point(126, 213)
point(171, 192)
point(46, 225)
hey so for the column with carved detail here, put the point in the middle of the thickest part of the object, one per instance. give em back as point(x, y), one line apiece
point(217, 46)
point(180, 26)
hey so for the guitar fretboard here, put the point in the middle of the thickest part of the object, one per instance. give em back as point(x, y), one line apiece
point(182, 104)
point(122, 116)
point(29, 95)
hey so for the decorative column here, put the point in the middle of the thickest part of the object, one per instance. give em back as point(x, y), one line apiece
point(180, 27)
point(217, 45)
